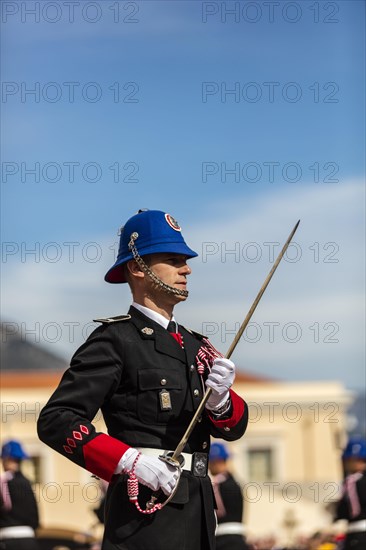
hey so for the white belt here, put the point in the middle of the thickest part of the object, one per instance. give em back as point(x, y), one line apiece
point(357, 526)
point(158, 452)
point(17, 532)
point(230, 528)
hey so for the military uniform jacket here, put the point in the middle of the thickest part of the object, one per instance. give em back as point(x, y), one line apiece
point(229, 500)
point(352, 507)
point(122, 369)
point(23, 509)
point(344, 506)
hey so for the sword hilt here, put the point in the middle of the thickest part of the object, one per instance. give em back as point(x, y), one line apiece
point(169, 458)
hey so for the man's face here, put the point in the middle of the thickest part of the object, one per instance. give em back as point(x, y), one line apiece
point(172, 269)
point(10, 464)
point(217, 466)
point(352, 465)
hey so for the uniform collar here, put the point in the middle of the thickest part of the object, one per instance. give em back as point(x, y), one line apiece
point(154, 315)
point(150, 329)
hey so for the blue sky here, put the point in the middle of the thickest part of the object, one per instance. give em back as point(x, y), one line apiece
point(237, 124)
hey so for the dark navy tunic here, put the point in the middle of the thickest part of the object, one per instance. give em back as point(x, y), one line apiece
point(121, 369)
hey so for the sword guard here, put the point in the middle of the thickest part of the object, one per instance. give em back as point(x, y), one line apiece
point(133, 489)
point(160, 506)
point(167, 457)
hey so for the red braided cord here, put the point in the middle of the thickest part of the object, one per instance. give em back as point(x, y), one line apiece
point(133, 490)
point(205, 356)
point(214, 351)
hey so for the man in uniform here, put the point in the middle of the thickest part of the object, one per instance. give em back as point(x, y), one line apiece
point(352, 505)
point(147, 374)
point(18, 506)
point(229, 501)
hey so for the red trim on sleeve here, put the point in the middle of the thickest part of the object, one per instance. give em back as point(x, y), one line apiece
point(238, 411)
point(102, 455)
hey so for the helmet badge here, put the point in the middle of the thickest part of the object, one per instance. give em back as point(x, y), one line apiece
point(172, 222)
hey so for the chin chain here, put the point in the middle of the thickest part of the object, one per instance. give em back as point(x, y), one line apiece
point(145, 268)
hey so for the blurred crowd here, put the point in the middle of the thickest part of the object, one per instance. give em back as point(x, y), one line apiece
point(19, 514)
point(317, 541)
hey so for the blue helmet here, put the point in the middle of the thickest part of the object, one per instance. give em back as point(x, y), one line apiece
point(218, 451)
point(13, 449)
point(356, 448)
point(156, 231)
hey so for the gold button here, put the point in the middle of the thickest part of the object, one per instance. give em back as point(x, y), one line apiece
point(204, 445)
point(163, 382)
point(196, 393)
point(227, 429)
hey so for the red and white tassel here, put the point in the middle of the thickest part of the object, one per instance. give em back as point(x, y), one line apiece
point(206, 355)
point(133, 490)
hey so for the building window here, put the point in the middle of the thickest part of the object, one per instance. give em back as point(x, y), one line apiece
point(260, 464)
point(32, 469)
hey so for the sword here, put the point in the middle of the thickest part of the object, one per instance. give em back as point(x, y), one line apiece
point(175, 458)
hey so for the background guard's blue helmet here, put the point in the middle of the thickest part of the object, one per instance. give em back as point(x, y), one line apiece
point(355, 448)
point(13, 449)
point(218, 451)
point(157, 231)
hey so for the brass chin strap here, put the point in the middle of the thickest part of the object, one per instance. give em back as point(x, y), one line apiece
point(145, 268)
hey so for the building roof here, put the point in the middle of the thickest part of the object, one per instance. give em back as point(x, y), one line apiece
point(18, 352)
point(29, 380)
point(244, 376)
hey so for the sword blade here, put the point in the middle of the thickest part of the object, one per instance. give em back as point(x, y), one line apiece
point(260, 294)
point(233, 345)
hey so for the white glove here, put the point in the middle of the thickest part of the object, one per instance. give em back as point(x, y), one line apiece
point(150, 471)
point(220, 379)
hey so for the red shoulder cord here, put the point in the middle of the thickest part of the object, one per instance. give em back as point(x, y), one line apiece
point(133, 490)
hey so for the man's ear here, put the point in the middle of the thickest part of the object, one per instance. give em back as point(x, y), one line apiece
point(134, 270)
